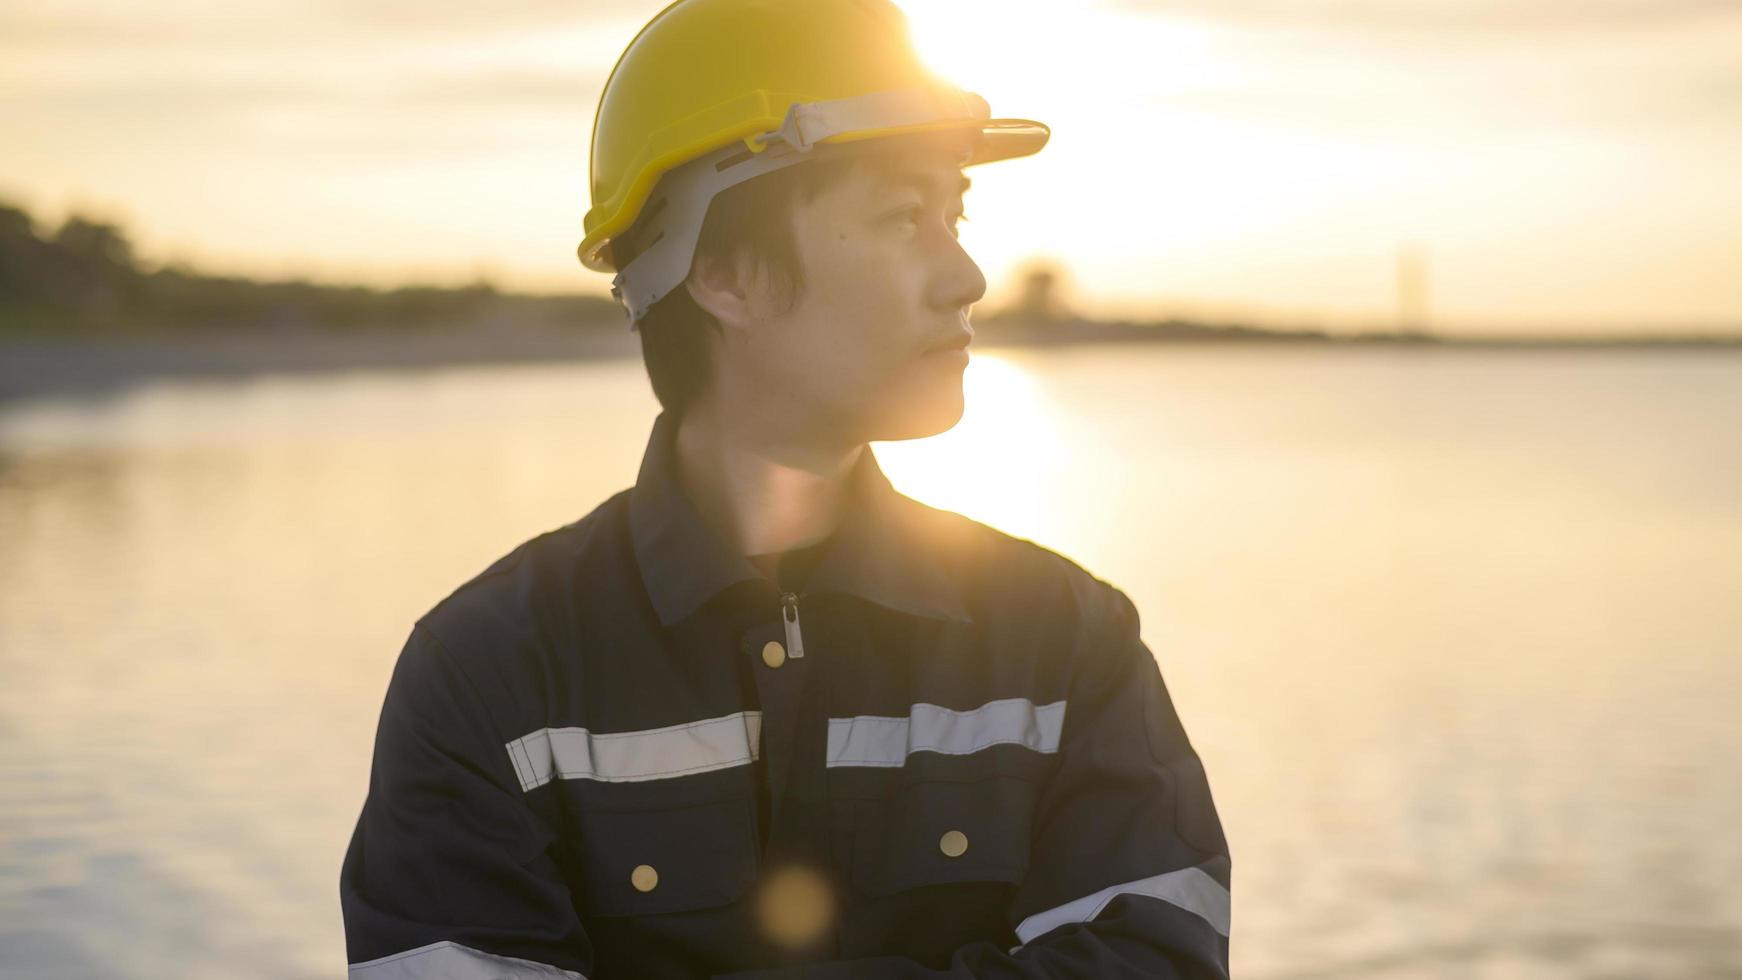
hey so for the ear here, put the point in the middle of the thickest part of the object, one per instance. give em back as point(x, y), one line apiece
point(725, 287)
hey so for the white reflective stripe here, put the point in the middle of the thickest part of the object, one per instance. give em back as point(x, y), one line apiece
point(1189, 888)
point(656, 753)
point(449, 960)
point(878, 740)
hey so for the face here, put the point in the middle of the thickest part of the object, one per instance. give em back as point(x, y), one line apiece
point(886, 284)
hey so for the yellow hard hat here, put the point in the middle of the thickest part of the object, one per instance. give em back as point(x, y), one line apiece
point(714, 92)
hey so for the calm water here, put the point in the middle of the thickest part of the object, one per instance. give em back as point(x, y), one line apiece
point(1457, 634)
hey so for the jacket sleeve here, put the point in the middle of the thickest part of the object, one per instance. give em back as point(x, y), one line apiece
point(1129, 875)
point(447, 874)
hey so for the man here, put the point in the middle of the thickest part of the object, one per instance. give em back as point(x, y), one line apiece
point(762, 716)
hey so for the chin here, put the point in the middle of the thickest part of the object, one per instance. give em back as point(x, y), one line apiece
point(920, 417)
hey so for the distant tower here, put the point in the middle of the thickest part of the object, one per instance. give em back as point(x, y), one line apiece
point(1038, 297)
point(1412, 288)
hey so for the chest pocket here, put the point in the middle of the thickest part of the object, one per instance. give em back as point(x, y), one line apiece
point(940, 832)
point(644, 862)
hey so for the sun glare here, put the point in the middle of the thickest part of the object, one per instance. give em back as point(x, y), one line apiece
point(1056, 56)
point(997, 464)
point(1105, 80)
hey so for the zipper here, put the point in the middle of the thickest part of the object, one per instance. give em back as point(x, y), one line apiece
point(789, 618)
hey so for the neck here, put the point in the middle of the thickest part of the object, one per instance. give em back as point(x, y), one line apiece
point(767, 492)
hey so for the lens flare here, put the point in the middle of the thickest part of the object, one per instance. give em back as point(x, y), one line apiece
point(795, 906)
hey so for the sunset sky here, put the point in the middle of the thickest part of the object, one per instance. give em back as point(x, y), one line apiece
point(1559, 166)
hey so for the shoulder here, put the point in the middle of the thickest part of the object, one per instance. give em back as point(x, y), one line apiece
point(1010, 576)
point(529, 596)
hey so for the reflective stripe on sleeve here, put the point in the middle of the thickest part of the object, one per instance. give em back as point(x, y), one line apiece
point(1188, 888)
point(878, 740)
point(656, 753)
point(452, 961)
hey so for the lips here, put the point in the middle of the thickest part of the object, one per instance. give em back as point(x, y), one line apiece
point(957, 342)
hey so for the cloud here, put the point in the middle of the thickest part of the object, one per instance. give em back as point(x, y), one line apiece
point(63, 67)
point(453, 17)
point(1498, 17)
point(194, 24)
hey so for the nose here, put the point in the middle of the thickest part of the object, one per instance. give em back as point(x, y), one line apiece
point(958, 282)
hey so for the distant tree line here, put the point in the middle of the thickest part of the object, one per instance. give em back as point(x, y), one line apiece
point(84, 277)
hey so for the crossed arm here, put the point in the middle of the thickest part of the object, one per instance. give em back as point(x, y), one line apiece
point(1130, 869)
point(447, 877)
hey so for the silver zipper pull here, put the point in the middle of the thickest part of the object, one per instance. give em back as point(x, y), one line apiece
point(789, 616)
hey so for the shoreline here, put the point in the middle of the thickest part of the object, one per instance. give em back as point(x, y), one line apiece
point(46, 365)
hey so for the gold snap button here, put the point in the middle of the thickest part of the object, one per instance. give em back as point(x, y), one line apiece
point(953, 843)
point(644, 877)
point(773, 654)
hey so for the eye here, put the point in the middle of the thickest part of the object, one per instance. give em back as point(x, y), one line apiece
point(916, 213)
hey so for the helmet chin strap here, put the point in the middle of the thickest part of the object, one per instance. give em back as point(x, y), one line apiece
point(671, 220)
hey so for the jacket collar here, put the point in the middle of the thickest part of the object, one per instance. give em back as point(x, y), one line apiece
point(886, 548)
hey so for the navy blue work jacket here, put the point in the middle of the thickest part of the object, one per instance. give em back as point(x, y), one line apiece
point(621, 752)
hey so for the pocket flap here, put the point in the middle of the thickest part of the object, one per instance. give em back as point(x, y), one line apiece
point(643, 862)
point(940, 832)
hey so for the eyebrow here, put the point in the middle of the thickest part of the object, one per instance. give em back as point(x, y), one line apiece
point(919, 181)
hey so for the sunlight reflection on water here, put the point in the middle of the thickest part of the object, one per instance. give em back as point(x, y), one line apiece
point(1454, 633)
